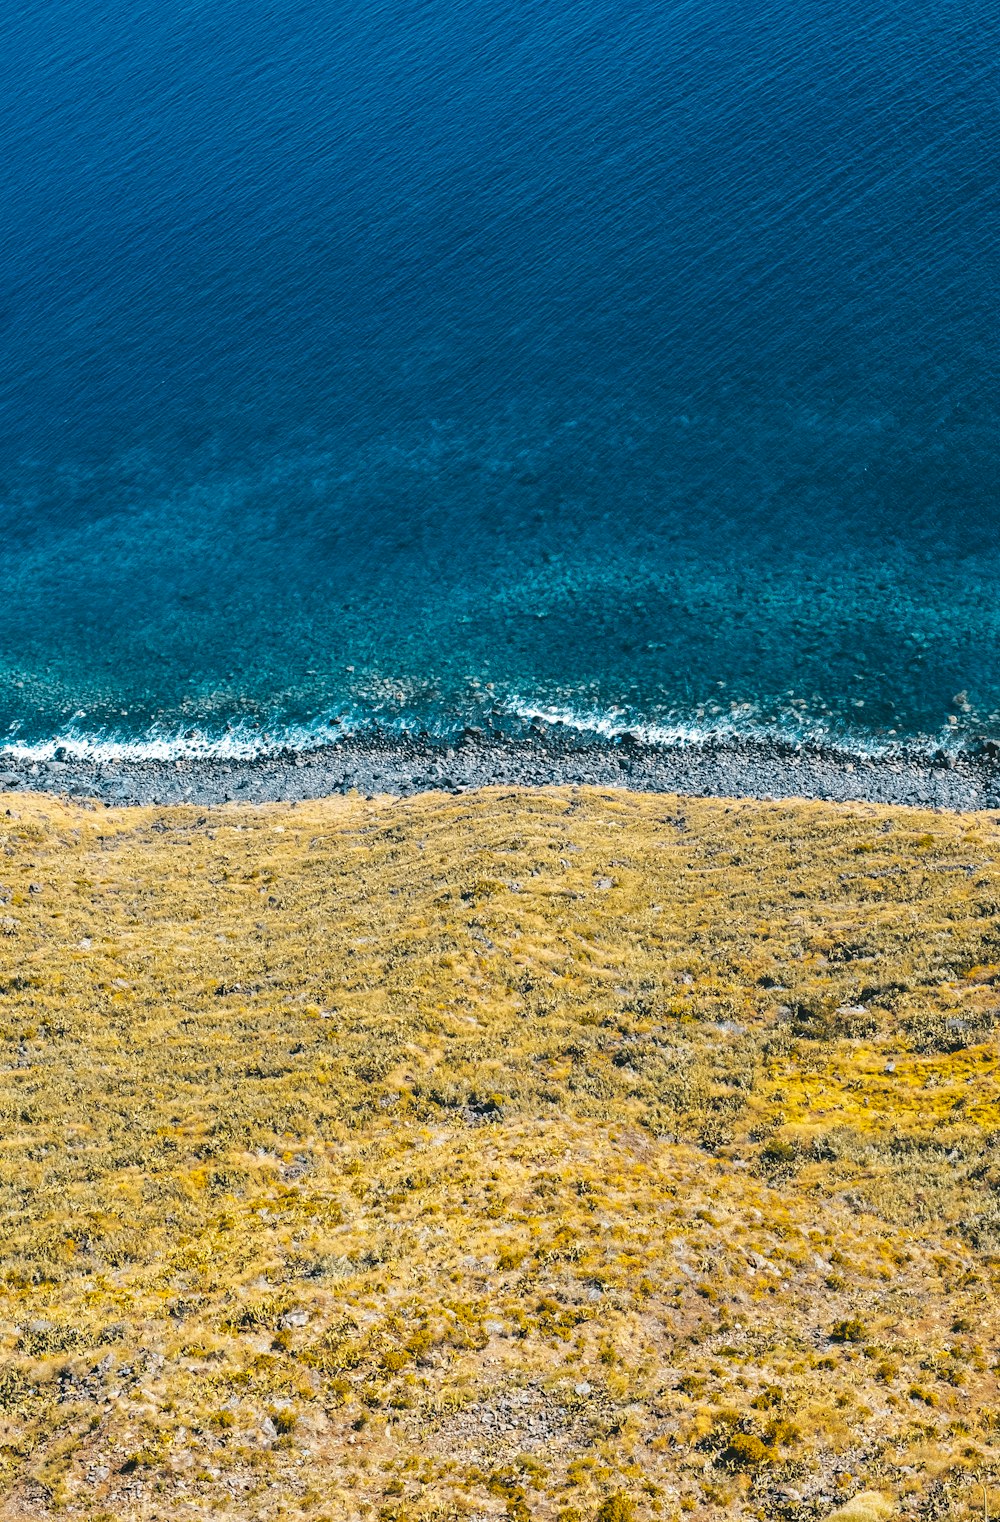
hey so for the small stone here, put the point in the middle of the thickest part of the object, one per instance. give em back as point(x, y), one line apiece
point(583, 1388)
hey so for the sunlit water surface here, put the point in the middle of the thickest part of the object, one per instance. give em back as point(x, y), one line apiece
point(634, 364)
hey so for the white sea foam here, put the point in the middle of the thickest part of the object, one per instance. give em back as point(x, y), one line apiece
point(236, 743)
point(615, 724)
point(250, 743)
point(608, 726)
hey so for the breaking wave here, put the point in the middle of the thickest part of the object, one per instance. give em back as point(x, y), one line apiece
point(515, 716)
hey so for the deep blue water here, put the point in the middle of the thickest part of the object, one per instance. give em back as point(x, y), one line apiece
point(634, 361)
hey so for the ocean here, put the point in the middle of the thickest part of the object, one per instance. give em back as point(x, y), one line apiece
point(420, 365)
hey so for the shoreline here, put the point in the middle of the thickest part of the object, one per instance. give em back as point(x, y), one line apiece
point(376, 762)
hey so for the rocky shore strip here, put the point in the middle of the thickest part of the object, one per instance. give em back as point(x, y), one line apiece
point(381, 762)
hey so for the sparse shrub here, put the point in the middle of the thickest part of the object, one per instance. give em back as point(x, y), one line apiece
point(420, 1344)
point(43, 1338)
point(715, 1133)
point(779, 1153)
point(824, 1017)
point(486, 1106)
point(782, 1432)
point(813, 1016)
point(870, 1506)
point(616, 1508)
point(146, 1457)
point(13, 1387)
point(930, 1030)
point(852, 1329)
point(745, 1450)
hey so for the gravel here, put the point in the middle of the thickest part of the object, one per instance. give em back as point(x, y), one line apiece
point(377, 762)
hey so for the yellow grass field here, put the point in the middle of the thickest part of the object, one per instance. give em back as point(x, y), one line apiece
point(566, 1154)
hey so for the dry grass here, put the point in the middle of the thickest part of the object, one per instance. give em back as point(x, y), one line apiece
point(543, 1155)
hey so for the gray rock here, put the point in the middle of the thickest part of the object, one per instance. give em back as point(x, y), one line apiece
point(377, 761)
point(296, 1317)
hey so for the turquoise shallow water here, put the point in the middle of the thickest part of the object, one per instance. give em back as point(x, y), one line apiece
point(631, 364)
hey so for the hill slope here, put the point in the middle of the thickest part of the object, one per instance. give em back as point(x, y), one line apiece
point(505, 1155)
